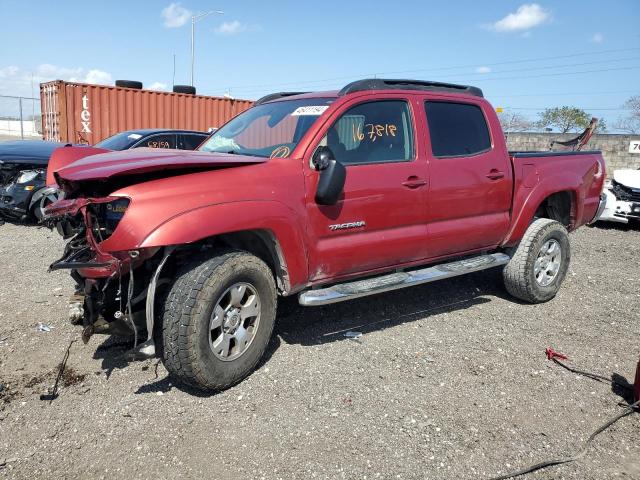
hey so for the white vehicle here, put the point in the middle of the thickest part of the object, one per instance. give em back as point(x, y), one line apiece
point(622, 197)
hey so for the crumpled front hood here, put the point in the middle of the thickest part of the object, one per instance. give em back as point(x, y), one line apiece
point(144, 160)
point(628, 178)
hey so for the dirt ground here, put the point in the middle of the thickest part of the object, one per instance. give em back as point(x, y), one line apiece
point(448, 381)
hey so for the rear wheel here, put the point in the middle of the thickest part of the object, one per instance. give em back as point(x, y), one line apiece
point(218, 320)
point(540, 262)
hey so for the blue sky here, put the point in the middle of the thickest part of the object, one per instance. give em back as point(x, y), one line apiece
point(525, 55)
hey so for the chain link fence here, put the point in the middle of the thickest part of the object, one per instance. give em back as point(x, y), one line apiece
point(20, 118)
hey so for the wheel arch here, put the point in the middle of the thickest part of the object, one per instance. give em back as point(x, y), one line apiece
point(545, 201)
point(264, 229)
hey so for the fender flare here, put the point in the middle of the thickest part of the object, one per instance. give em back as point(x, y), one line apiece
point(258, 215)
point(532, 198)
point(39, 194)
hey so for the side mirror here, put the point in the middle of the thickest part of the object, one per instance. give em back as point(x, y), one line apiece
point(332, 176)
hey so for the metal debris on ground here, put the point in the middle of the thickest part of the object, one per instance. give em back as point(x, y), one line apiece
point(54, 391)
point(43, 327)
point(353, 335)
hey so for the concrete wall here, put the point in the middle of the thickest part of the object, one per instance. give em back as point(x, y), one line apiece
point(615, 148)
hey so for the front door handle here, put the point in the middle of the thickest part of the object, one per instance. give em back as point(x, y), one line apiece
point(414, 182)
point(495, 174)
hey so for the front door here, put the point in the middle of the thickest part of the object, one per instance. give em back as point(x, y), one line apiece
point(380, 220)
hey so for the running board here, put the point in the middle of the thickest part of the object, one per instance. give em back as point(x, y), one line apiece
point(397, 280)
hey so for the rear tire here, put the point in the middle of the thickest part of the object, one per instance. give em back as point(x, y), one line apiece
point(539, 263)
point(218, 319)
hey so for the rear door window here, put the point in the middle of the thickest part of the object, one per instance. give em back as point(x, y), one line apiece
point(457, 129)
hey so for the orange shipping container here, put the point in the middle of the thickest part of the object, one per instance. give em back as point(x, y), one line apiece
point(83, 113)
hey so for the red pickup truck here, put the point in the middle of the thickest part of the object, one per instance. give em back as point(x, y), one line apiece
point(329, 196)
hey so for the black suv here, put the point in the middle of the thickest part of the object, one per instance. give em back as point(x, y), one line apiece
point(23, 193)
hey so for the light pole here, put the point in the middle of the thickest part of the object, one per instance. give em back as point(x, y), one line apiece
point(194, 19)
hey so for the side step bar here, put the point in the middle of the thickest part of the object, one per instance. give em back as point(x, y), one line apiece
point(397, 280)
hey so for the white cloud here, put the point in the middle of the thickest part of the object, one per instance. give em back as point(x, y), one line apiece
point(18, 82)
point(98, 77)
point(157, 86)
point(175, 15)
point(8, 71)
point(527, 16)
point(483, 69)
point(230, 28)
point(597, 38)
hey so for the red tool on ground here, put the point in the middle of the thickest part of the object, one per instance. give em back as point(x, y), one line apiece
point(551, 354)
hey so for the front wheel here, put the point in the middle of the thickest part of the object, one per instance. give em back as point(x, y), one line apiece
point(540, 262)
point(218, 320)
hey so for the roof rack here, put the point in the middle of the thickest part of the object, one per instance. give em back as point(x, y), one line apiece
point(275, 96)
point(395, 84)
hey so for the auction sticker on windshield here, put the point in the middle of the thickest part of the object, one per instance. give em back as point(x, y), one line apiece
point(309, 110)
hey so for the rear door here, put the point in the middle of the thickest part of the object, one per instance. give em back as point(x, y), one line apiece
point(470, 179)
point(380, 221)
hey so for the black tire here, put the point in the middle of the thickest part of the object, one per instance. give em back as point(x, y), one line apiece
point(129, 84)
point(189, 307)
point(188, 89)
point(519, 274)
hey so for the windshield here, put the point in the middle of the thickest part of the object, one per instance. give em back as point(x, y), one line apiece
point(119, 141)
point(268, 130)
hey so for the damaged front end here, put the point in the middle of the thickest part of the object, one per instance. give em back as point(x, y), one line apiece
point(115, 291)
point(622, 194)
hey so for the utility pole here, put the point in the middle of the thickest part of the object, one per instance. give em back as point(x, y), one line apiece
point(194, 19)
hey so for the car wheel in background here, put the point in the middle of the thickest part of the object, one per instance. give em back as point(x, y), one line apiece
point(37, 210)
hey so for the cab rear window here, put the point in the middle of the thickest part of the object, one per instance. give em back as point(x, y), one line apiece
point(457, 129)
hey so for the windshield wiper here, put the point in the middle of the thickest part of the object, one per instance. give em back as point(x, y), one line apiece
point(235, 152)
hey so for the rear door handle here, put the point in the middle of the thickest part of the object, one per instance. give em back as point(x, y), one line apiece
point(495, 174)
point(414, 182)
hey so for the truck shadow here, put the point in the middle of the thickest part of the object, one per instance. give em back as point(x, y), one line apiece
point(319, 325)
point(310, 326)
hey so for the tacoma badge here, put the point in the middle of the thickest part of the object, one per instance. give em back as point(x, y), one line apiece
point(344, 226)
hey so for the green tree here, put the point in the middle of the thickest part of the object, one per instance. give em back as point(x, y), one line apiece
point(567, 119)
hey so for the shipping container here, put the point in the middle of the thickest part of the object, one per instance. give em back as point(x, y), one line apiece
point(82, 113)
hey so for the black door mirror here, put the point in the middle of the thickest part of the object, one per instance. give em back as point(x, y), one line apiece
point(332, 176)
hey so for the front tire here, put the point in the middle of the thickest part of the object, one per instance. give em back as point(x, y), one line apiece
point(218, 319)
point(539, 263)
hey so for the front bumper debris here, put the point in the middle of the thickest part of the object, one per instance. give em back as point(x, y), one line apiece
point(616, 210)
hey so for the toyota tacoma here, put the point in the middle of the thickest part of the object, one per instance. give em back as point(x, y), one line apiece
point(329, 196)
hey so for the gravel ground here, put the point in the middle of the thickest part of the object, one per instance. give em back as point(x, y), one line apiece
point(448, 381)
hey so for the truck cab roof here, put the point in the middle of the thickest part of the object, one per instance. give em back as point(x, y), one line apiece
point(378, 84)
